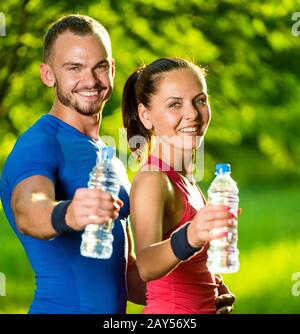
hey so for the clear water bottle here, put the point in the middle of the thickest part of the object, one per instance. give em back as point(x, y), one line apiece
point(223, 254)
point(97, 239)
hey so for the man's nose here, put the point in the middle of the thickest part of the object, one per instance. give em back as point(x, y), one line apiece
point(91, 78)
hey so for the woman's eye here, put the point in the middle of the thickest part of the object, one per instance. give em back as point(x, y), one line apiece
point(200, 101)
point(174, 105)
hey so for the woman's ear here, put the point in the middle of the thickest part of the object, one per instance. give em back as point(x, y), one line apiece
point(47, 75)
point(144, 116)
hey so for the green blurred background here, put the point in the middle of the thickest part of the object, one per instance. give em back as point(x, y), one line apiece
point(252, 58)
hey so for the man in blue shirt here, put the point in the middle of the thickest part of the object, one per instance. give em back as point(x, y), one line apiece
point(43, 183)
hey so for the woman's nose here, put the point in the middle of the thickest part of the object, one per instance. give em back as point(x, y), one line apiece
point(191, 111)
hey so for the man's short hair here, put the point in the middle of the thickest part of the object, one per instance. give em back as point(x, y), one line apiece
point(79, 25)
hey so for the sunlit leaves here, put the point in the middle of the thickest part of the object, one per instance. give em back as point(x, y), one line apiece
point(248, 48)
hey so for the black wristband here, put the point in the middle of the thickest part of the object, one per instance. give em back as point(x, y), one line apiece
point(180, 246)
point(58, 217)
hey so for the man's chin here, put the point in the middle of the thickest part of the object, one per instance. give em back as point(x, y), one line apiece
point(88, 112)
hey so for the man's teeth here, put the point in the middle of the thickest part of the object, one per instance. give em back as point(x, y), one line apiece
point(88, 93)
point(194, 129)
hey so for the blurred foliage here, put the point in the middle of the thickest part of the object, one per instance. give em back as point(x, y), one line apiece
point(247, 47)
point(253, 79)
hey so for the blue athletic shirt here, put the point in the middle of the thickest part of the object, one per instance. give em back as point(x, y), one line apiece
point(67, 282)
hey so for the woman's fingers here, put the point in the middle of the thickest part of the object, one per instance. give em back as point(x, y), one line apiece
point(211, 222)
point(211, 225)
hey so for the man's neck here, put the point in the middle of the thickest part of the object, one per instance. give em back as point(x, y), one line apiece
point(88, 125)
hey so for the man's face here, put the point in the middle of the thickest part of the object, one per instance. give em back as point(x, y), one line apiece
point(83, 71)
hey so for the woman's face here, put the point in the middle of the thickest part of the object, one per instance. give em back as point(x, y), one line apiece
point(179, 111)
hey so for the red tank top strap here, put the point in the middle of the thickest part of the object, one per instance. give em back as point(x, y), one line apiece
point(174, 176)
point(171, 173)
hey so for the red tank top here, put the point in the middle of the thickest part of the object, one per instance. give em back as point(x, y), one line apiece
point(190, 288)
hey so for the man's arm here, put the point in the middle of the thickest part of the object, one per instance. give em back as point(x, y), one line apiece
point(33, 201)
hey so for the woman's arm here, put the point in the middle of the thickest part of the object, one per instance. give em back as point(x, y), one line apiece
point(149, 198)
point(150, 192)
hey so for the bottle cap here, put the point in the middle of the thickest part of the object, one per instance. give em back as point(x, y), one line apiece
point(107, 152)
point(223, 168)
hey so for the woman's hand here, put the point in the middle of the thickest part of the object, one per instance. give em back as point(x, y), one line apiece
point(207, 219)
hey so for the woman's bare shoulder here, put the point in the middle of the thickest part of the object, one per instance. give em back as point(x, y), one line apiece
point(151, 179)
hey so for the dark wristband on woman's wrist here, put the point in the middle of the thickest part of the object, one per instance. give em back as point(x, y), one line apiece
point(58, 217)
point(180, 245)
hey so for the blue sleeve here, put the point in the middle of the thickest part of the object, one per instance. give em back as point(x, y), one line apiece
point(39, 156)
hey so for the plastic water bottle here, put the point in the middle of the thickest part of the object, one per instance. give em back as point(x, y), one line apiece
point(223, 254)
point(97, 239)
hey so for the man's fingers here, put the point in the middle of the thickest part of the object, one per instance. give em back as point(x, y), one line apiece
point(119, 202)
point(225, 310)
point(93, 219)
point(102, 205)
point(104, 201)
point(93, 206)
point(117, 205)
point(83, 215)
point(90, 193)
point(225, 299)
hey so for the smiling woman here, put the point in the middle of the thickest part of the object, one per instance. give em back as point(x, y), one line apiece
point(185, 109)
point(181, 99)
point(168, 100)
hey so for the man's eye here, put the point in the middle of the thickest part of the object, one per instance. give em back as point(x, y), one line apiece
point(75, 68)
point(103, 67)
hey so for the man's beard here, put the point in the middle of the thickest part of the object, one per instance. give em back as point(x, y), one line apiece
point(92, 108)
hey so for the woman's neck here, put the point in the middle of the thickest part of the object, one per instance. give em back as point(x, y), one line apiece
point(179, 159)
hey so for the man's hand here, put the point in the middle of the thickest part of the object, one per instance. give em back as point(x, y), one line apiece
point(92, 206)
point(224, 303)
point(225, 299)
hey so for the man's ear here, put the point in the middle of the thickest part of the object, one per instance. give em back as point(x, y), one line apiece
point(144, 116)
point(47, 75)
point(113, 67)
